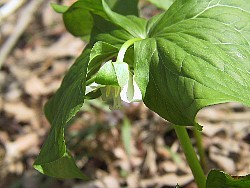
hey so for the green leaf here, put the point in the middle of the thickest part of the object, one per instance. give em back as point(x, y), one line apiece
point(107, 75)
point(220, 179)
point(163, 4)
point(100, 52)
point(134, 25)
point(128, 7)
point(197, 55)
point(64, 167)
point(79, 21)
point(108, 32)
point(54, 159)
point(59, 8)
point(113, 73)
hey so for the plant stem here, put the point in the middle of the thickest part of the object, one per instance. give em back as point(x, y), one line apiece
point(120, 55)
point(191, 156)
point(124, 48)
point(201, 150)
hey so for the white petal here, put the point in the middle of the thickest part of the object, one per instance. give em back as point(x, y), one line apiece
point(92, 87)
point(123, 93)
point(137, 92)
point(130, 90)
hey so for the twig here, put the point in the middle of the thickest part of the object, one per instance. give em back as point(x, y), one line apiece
point(8, 8)
point(24, 20)
point(3, 1)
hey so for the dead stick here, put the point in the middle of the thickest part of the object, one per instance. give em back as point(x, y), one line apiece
point(9, 7)
point(24, 20)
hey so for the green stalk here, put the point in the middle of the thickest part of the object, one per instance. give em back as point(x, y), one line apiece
point(191, 156)
point(124, 48)
point(120, 55)
point(201, 150)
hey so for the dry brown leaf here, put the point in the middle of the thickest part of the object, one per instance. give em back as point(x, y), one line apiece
point(14, 92)
point(20, 72)
point(21, 145)
point(150, 161)
point(16, 150)
point(133, 180)
point(211, 129)
point(167, 180)
point(168, 166)
point(58, 50)
point(105, 182)
point(49, 16)
point(35, 87)
point(20, 111)
point(223, 162)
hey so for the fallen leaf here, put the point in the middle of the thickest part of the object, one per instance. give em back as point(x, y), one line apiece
point(20, 111)
point(35, 87)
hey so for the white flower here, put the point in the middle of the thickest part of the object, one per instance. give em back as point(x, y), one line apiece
point(127, 91)
point(131, 92)
point(112, 93)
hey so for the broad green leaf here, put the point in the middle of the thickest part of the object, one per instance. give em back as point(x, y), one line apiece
point(220, 179)
point(54, 159)
point(163, 4)
point(63, 167)
point(107, 32)
point(59, 8)
point(134, 25)
point(79, 21)
point(107, 38)
point(128, 7)
point(197, 55)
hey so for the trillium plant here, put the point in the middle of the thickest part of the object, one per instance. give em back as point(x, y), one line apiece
point(194, 54)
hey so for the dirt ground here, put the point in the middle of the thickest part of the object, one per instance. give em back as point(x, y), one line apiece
point(132, 147)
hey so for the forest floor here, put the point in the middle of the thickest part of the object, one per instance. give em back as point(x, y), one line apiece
point(132, 147)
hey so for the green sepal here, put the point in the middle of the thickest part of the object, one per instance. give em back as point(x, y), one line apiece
point(107, 75)
point(93, 94)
